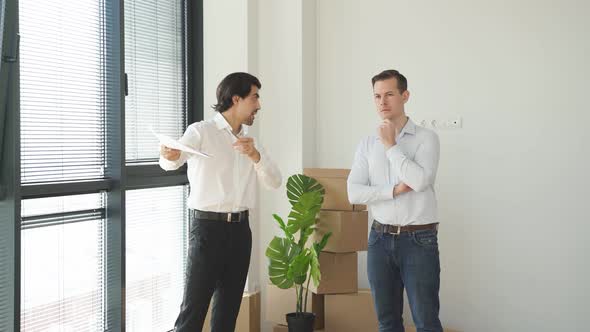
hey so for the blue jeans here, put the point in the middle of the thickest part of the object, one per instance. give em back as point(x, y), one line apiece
point(408, 260)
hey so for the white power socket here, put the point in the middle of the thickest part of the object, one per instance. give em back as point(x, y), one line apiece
point(441, 123)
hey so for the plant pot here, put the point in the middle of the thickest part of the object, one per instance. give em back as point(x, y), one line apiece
point(300, 321)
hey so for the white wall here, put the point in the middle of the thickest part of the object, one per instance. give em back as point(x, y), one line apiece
point(281, 123)
point(513, 183)
point(230, 45)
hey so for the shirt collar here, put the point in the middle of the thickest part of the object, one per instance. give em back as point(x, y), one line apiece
point(221, 123)
point(409, 128)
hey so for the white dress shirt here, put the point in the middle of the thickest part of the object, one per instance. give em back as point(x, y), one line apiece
point(413, 161)
point(225, 182)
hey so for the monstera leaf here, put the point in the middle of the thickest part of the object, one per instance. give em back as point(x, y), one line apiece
point(315, 259)
point(281, 253)
point(304, 211)
point(291, 261)
point(299, 184)
point(299, 267)
point(288, 232)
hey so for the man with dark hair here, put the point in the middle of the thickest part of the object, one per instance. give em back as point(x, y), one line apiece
point(223, 190)
point(394, 173)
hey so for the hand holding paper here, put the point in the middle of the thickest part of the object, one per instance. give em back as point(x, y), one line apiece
point(169, 154)
point(173, 144)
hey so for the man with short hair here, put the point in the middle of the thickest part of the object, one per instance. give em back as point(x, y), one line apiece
point(394, 173)
point(223, 190)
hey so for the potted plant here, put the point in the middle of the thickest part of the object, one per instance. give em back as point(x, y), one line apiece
point(292, 263)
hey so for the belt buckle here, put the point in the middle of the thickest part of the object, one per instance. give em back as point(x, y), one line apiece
point(229, 217)
point(399, 228)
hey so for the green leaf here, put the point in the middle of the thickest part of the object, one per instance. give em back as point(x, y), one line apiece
point(322, 244)
point(315, 254)
point(304, 212)
point(286, 230)
point(298, 268)
point(315, 267)
point(305, 234)
point(280, 221)
point(291, 263)
point(300, 184)
point(281, 252)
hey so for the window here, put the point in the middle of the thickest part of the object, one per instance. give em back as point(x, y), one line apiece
point(62, 90)
point(83, 93)
point(155, 253)
point(154, 65)
point(61, 270)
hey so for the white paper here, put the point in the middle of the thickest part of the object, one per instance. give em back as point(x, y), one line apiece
point(174, 144)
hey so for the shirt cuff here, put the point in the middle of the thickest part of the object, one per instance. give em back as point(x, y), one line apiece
point(261, 164)
point(386, 192)
point(166, 164)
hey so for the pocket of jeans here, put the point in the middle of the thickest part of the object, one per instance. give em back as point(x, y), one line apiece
point(373, 237)
point(427, 239)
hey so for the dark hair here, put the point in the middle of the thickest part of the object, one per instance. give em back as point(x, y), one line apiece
point(402, 82)
point(234, 84)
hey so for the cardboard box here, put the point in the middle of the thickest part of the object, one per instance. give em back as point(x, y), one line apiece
point(339, 273)
point(284, 328)
point(354, 313)
point(248, 317)
point(349, 230)
point(280, 328)
point(280, 302)
point(351, 312)
point(334, 182)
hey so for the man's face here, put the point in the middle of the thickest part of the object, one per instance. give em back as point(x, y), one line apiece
point(389, 101)
point(249, 106)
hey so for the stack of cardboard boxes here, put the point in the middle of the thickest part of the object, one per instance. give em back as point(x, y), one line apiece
point(337, 302)
point(346, 308)
point(338, 260)
point(348, 224)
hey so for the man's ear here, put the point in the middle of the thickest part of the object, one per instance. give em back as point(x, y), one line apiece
point(235, 99)
point(406, 96)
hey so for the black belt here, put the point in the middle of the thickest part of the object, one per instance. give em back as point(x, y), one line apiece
point(397, 229)
point(220, 216)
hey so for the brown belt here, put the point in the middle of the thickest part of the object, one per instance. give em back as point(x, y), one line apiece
point(397, 229)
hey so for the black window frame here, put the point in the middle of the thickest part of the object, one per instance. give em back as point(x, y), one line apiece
point(119, 175)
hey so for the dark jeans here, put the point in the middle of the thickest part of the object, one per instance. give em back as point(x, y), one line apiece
point(217, 266)
point(407, 260)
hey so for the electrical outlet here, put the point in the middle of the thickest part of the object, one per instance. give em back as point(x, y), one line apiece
point(440, 123)
point(454, 123)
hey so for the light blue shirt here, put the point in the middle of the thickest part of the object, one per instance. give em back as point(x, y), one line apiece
point(413, 161)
